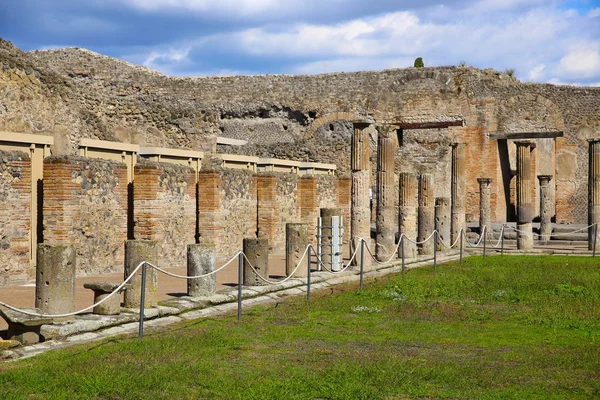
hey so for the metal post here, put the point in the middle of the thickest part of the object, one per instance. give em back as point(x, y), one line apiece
point(362, 261)
point(484, 239)
point(319, 243)
point(240, 281)
point(142, 304)
point(435, 240)
point(595, 239)
point(402, 245)
point(461, 245)
point(310, 249)
point(502, 240)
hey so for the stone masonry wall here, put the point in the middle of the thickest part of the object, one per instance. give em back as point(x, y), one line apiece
point(289, 207)
point(165, 209)
point(85, 204)
point(15, 217)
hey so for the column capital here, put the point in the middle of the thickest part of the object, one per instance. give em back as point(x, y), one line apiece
point(524, 142)
point(593, 140)
point(544, 178)
point(458, 144)
point(387, 131)
point(484, 180)
point(361, 124)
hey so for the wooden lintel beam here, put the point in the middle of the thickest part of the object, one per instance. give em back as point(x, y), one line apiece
point(526, 135)
point(427, 125)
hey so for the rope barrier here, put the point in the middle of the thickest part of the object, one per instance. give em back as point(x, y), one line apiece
point(478, 242)
point(197, 276)
point(460, 232)
point(34, 314)
point(279, 281)
point(391, 257)
point(423, 241)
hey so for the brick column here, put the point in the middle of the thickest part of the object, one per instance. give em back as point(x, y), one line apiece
point(524, 198)
point(407, 210)
point(458, 191)
point(485, 209)
point(593, 190)
point(546, 207)
point(267, 208)
point(309, 205)
point(386, 210)
point(425, 213)
point(343, 192)
point(209, 208)
point(361, 182)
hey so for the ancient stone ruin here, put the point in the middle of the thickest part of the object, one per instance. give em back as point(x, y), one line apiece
point(95, 151)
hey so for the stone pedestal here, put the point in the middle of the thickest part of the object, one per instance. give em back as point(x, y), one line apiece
point(326, 239)
point(360, 225)
point(485, 207)
point(137, 251)
point(386, 210)
point(546, 207)
point(55, 279)
point(458, 191)
point(442, 220)
point(407, 210)
point(201, 260)
point(102, 290)
point(257, 252)
point(296, 240)
point(425, 213)
point(594, 191)
point(524, 198)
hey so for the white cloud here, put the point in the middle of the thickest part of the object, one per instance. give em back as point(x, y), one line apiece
point(537, 72)
point(243, 7)
point(581, 62)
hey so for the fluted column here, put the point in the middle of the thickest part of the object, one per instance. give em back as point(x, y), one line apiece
point(524, 198)
point(386, 213)
point(360, 225)
point(407, 210)
point(442, 220)
point(458, 191)
point(425, 213)
point(546, 207)
point(485, 207)
point(593, 190)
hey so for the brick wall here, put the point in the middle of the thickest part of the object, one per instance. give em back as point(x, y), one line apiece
point(309, 205)
point(267, 209)
point(343, 193)
point(15, 217)
point(85, 204)
point(288, 206)
point(165, 209)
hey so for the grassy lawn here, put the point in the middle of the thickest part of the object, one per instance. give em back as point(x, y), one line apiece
point(507, 327)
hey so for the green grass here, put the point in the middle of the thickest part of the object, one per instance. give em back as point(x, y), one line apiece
point(507, 327)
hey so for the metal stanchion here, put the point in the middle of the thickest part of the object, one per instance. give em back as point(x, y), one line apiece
point(502, 240)
point(461, 246)
point(308, 274)
point(362, 261)
point(240, 281)
point(142, 304)
point(595, 239)
point(403, 264)
point(435, 241)
point(484, 239)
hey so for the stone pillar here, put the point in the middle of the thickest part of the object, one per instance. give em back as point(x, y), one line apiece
point(201, 260)
point(546, 207)
point(593, 191)
point(267, 207)
point(524, 198)
point(137, 251)
point(442, 220)
point(55, 279)
point(326, 221)
point(485, 205)
point(309, 205)
point(426, 213)
point(360, 225)
point(407, 210)
point(296, 240)
point(257, 252)
point(343, 193)
point(458, 191)
point(209, 207)
point(386, 210)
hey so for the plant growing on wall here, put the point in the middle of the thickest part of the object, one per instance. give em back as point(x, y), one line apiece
point(419, 62)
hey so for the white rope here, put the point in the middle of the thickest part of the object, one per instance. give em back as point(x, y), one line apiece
point(460, 232)
point(33, 314)
point(423, 241)
point(353, 255)
point(569, 233)
point(282, 280)
point(331, 271)
point(479, 241)
point(499, 237)
point(197, 276)
point(394, 254)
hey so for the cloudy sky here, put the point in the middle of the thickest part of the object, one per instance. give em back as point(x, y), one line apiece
point(542, 40)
